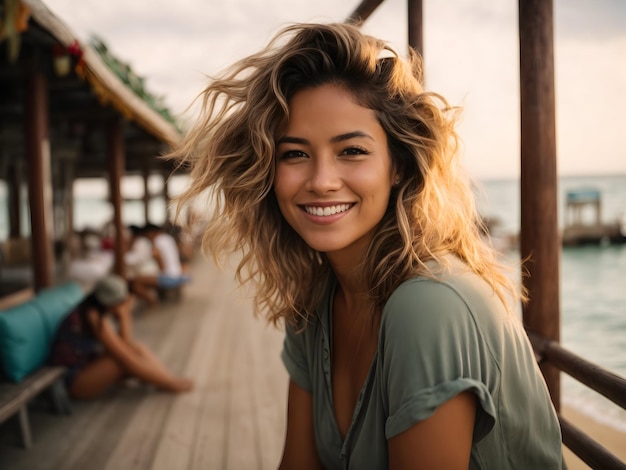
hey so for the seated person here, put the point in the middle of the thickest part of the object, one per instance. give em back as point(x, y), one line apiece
point(141, 265)
point(165, 251)
point(97, 354)
point(184, 243)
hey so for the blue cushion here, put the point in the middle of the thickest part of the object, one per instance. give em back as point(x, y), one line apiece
point(55, 303)
point(24, 341)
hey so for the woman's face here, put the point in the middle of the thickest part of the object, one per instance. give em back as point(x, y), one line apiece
point(334, 173)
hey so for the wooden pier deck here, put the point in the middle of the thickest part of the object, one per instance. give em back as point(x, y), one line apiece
point(233, 419)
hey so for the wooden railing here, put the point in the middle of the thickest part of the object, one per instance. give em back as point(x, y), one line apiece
point(604, 382)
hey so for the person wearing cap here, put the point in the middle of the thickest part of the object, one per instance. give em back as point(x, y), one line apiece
point(98, 355)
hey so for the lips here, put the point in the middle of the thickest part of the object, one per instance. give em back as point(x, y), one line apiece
point(326, 211)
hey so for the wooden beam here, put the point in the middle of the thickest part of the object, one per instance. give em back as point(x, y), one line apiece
point(363, 12)
point(87, 112)
point(37, 148)
point(539, 239)
point(416, 26)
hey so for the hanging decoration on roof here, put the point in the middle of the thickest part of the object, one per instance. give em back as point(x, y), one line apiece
point(131, 79)
point(64, 56)
point(13, 21)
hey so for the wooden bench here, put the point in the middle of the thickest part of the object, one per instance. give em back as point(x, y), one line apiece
point(14, 397)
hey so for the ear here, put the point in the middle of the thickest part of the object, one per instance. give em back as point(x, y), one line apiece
point(396, 177)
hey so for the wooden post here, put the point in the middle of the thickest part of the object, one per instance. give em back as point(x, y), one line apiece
point(116, 164)
point(416, 26)
point(68, 210)
point(14, 183)
point(146, 190)
point(37, 148)
point(69, 202)
point(539, 239)
point(166, 198)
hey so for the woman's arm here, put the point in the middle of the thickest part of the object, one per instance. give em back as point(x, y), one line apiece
point(443, 441)
point(299, 452)
point(133, 363)
point(124, 315)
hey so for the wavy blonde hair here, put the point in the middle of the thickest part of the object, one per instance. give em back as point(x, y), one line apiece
point(231, 151)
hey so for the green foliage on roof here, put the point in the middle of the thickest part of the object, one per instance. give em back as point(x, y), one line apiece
point(132, 80)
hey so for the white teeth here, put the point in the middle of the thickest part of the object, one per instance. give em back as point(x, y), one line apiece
point(326, 211)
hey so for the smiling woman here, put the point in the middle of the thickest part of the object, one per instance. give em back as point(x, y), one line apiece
point(336, 175)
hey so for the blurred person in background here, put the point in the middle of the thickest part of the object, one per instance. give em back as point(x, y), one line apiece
point(141, 265)
point(99, 355)
point(170, 273)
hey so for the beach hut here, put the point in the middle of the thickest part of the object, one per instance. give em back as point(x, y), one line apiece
point(583, 220)
point(68, 109)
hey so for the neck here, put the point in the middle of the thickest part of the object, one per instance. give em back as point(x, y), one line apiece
point(349, 271)
point(351, 289)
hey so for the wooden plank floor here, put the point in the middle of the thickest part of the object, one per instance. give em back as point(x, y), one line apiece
point(233, 419)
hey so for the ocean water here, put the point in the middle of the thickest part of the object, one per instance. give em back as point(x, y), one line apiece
point(94, 212)
point(593, 278)
point(592, 288)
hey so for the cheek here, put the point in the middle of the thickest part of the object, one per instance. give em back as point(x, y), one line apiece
point(283, 186)
point(279, 181)
point(373, 182)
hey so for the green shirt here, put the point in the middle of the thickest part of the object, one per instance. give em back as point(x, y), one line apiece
point(437, 339)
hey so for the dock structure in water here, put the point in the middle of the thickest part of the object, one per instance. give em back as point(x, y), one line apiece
point(589, 230)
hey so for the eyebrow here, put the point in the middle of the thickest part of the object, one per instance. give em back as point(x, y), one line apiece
point(338, 138)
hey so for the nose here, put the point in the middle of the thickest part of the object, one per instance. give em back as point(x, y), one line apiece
point(324, 176)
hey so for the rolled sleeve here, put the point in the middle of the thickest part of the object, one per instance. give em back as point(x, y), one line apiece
point(431, 351)
point(424, 404)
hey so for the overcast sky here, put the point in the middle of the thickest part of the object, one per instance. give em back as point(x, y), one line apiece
point(471, 57)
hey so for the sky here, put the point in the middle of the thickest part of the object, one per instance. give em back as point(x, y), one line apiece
point(471, 57)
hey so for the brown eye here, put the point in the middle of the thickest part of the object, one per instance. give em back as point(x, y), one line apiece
point(354, 151)
point(293, 154)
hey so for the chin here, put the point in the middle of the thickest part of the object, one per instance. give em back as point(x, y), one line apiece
point(323, 246)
